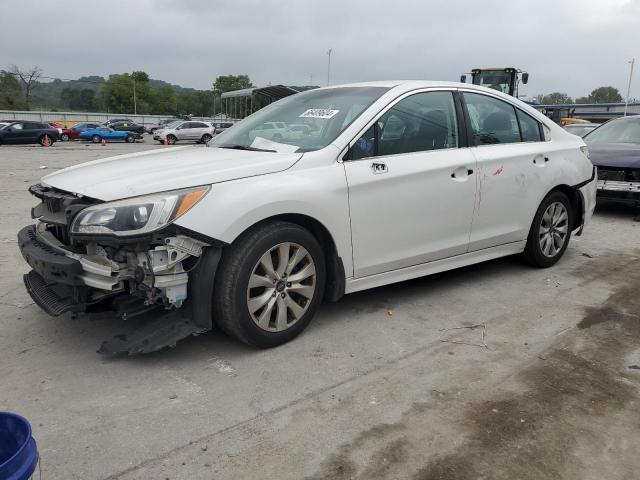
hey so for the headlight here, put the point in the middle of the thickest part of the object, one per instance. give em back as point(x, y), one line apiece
point(139, 215)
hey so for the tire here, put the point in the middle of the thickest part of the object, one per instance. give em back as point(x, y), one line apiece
point(130, 139)
point(234, 299)
point(550, 231)
point(171, 139)
point(205, 138)
point(96, 139)
point(65, 137)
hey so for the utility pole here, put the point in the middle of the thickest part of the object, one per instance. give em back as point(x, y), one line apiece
point(626, 103)
point(135, 106)
point(329, 67)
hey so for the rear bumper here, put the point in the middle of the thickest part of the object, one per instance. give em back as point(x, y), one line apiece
point(587, 191)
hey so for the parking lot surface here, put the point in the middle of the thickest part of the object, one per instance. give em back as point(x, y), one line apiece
point(495, 371)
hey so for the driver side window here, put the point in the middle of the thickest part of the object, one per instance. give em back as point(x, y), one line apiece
point(421, 122)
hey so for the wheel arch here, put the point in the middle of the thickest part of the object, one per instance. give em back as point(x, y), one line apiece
point(575, 198)
point(335, 284)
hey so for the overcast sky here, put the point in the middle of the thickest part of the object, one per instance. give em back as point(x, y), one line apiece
point(571, 46)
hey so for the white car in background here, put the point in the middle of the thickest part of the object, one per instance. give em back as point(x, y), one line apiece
point(185, 130)
point(397, 180)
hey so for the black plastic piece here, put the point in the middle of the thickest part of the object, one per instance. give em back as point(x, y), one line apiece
point(160, 329)
point(53, 300)
point(201, 280)
point(50, 264)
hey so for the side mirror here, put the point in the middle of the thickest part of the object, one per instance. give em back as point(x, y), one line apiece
point(463, 79)
point(525, 78)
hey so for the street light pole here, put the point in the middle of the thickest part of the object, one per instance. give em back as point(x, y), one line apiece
point(135, 106)
point(329, 67)
point(626, 103)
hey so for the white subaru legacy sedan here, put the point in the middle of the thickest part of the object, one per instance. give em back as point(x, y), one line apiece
point(386, 181)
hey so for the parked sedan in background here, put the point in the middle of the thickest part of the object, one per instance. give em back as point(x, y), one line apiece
point(28, 132)
point(195, 131)
point(221, 127)
point(111, 121)
point(615, 149)
point(581, 129)
point(128, 127)
point(162, 124)
point(96, 135)
point(73, 133)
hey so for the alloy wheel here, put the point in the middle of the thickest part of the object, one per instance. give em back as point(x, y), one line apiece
point(554, 227)
point(281, 287)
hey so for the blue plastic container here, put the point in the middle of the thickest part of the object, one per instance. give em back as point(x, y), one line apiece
point(18, 449)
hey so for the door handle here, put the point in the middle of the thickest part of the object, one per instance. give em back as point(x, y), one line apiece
point(459, 173)
point(540, 160)
point(379, 167)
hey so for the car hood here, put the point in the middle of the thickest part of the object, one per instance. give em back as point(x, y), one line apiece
point(623, 155)
point(167, 169)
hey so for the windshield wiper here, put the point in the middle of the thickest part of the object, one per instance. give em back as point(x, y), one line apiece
point(244, 147)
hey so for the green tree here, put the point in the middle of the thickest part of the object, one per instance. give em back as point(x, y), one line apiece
point(605, 95)
point(11, 94)
point(117, 93)
point(228, 83)
point(554, 98)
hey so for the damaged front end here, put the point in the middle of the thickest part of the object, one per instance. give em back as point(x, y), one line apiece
point(125, 258)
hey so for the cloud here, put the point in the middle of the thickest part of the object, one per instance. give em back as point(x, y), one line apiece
point(572, 46)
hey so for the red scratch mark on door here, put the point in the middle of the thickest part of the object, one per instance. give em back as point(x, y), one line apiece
point(498, 171)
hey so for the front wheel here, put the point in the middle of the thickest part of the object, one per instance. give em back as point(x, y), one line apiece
point(64, 137)
point(269, 284)
point(96, 139)
point(171, 139)
point(550, 231)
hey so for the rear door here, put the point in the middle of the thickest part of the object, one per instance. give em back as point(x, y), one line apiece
point(515, 169)
point(411, 185)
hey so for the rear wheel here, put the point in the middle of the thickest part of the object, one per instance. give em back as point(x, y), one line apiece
point(269, 284)
point(65, 137)
point(130, 139)
point(171, 139)
point(205, 138)
point(550, 231)
point(96, 139)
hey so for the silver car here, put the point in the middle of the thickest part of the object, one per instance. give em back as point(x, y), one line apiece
point(185, 130)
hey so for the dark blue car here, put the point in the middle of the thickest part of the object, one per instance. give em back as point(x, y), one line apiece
point(615, 149)
point(96, 135)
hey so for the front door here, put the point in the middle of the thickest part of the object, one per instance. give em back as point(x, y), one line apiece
point(411, 187)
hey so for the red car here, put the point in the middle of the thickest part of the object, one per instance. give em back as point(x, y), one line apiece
point(73, 133)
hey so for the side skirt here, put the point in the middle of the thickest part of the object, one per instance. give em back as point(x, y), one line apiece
point(408, 273)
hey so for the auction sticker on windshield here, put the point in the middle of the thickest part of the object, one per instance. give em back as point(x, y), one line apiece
point(318, 113)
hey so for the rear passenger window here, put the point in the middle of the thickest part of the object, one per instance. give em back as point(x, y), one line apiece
point(529, 127)
point(418, 123)
point(492, 120)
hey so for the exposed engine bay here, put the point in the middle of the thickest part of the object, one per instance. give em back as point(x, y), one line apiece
point(128, 277)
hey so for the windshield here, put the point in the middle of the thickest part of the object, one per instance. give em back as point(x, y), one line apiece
point(173, 124)
point(580, 130)
point(500, 81)
point(616, 131)
point(317, 118)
